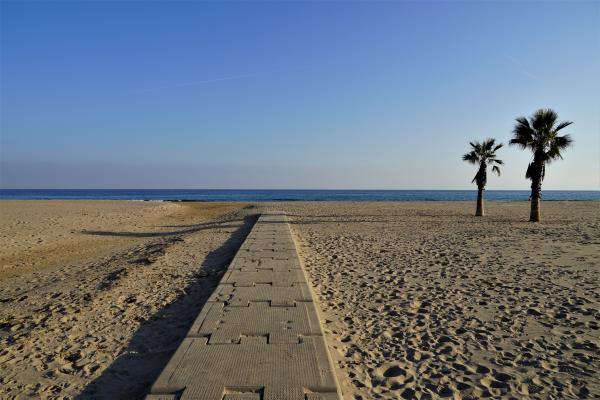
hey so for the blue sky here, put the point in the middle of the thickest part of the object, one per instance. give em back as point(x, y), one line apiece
point(290, 95)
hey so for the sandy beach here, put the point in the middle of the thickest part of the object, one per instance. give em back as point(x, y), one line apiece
point(96, 309)
point(423, 300)
point(38, 234)
point(418, 300)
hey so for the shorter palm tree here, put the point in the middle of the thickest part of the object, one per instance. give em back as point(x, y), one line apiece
point(540, 135)
point(483, 154)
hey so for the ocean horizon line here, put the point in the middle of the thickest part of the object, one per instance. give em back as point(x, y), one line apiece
point(279, 195)
point(293, 189)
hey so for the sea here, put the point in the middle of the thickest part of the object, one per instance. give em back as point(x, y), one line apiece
point(252, 195)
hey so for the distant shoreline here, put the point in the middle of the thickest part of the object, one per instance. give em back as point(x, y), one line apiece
point(289, 195)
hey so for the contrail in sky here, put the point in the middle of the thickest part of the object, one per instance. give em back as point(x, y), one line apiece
point(520, 67)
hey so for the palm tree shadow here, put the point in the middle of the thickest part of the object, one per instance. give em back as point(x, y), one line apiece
point(137, 367)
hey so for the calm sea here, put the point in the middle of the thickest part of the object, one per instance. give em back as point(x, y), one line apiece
point(288, 195)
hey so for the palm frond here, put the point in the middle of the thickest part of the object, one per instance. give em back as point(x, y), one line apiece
point(562, 125)
point(496, 170)
point(476, 146)
point(556, 146)
point(529, 172)
point(563, 141)
point(489, 144)
point(552, 154)
point(471, 157)
point(523, 134)
point(544, 119)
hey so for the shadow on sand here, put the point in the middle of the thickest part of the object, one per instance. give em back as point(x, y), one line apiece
point(188, 229)
point(137, 367)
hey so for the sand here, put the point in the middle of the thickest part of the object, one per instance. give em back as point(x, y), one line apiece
point(418, 300)
point(101, 316)
point(37, 234)
point(423, 300)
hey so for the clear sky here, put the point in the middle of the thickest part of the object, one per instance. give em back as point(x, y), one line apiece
point(290, 95)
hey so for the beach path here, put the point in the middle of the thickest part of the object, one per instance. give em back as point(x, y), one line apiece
point(259, 336)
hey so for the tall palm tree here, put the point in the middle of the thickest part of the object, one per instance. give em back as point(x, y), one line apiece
point(483, 154)
point(540, 135)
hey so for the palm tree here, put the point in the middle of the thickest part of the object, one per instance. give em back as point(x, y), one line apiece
point(540, 135)
point(483, 154)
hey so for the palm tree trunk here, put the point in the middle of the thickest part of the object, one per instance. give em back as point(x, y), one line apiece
point(536, 188)
point(536, 192)
point(479, 212)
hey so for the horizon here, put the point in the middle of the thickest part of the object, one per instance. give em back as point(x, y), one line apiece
point(317, 96)
point(295, 190)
